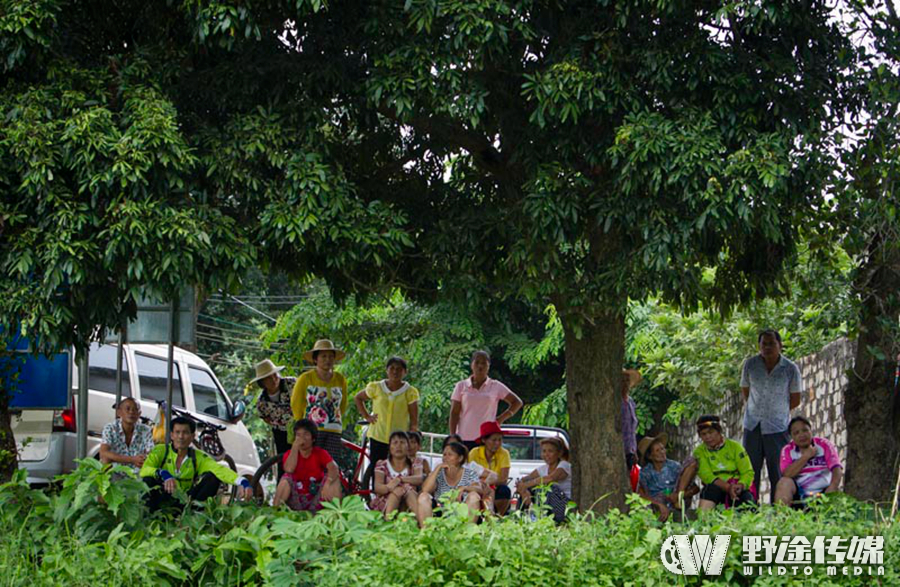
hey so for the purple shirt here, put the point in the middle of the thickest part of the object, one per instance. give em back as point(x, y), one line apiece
point(629, 426)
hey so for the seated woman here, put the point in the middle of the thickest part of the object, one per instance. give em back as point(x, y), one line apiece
point(126, 440)
point(493, 457)
point(415, 444)
point(555, 472)
point(449, 475)
point(809, 465)
point(663, 480)
point(396, 478)
point(311, 475)
point(723, 466)
point(486, 476)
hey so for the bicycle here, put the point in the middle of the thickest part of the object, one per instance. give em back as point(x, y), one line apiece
point(208, 441)
point(354, 485)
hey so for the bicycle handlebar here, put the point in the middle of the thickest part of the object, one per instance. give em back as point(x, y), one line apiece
point(185, 414)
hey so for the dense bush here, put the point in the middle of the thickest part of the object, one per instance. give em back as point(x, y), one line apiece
point(348, 545)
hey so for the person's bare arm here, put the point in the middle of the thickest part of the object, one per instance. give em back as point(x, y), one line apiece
point(108, 456)
point(745, 391)
point(360, 401)
point(455, 411)
point(837, 474)
point(291, 462)
point(795, 400)
point(515, 404)
point(414, 416)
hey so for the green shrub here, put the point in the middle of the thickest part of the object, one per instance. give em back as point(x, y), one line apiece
point(346, 544)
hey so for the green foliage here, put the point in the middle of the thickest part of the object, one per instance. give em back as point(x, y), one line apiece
point(95, 499)
point(436, 342)
point(347, 544)
point(695, 358)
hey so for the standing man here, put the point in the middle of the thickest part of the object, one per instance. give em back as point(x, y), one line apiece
point(274, 405)
point(771, 387)
point(630, 379)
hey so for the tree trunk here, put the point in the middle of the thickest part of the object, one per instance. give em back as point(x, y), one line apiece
point(871, 405)
point(593, 382)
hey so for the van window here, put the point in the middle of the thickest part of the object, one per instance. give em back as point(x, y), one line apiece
point(208, 398)
point(102, 370)
point(152, 376)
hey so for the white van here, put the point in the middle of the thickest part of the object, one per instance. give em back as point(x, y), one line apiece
point(46, 439)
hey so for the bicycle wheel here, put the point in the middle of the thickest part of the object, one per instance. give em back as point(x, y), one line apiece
point(229, 492)
point(267, 472)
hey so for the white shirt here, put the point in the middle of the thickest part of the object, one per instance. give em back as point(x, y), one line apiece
point(566, 484)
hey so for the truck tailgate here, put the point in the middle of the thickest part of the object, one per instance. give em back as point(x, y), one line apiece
point(32, 430)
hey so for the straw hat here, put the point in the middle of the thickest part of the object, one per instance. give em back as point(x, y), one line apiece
point(324, 345)
point(264, 369)
point(634, 377)
point(648, 441)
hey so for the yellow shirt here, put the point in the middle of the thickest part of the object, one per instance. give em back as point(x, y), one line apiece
point(499, 461)
point(323, 402)
point(391, 407)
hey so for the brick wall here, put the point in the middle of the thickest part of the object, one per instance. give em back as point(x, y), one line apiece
point(824, 380)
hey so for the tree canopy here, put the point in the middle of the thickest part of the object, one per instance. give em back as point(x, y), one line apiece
point(578, 153)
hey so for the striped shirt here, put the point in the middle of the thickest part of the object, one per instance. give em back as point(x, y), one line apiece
point(468, 477)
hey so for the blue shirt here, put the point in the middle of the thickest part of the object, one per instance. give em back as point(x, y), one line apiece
point(769, 404)
point(658, 482)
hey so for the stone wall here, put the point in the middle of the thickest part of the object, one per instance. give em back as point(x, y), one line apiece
point(824, 381)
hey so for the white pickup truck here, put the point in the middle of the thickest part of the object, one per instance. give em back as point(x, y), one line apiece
point(522, 442)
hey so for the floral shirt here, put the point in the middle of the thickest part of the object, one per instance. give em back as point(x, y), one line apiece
point(323, 402)
point(141, 440)
point(276, 410)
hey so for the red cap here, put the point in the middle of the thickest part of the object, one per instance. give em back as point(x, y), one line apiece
point(488, 428)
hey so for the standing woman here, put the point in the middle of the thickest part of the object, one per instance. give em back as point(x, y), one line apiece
point(449, 475)
point(274, 405)
point(320, 395)
point(475, 400)
point(395, 406)
point(396, 479)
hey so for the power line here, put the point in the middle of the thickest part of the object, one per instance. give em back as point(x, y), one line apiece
point(208, 317)
point(252, 309)
point(220, 329)
point(277, 303)
point(262, 297)
point(242, 343)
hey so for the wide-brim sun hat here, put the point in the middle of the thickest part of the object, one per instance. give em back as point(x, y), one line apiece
point(264, 369)
point(646, 442)
point(634, 377)
point(324, 345)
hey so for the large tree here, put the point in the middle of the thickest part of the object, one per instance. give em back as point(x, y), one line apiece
point(137, 157)
point(578, 153)
point(867, 218)
point(582, 153)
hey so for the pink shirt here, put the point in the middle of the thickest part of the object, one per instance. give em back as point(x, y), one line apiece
point(816, 475)
point(478, 405)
